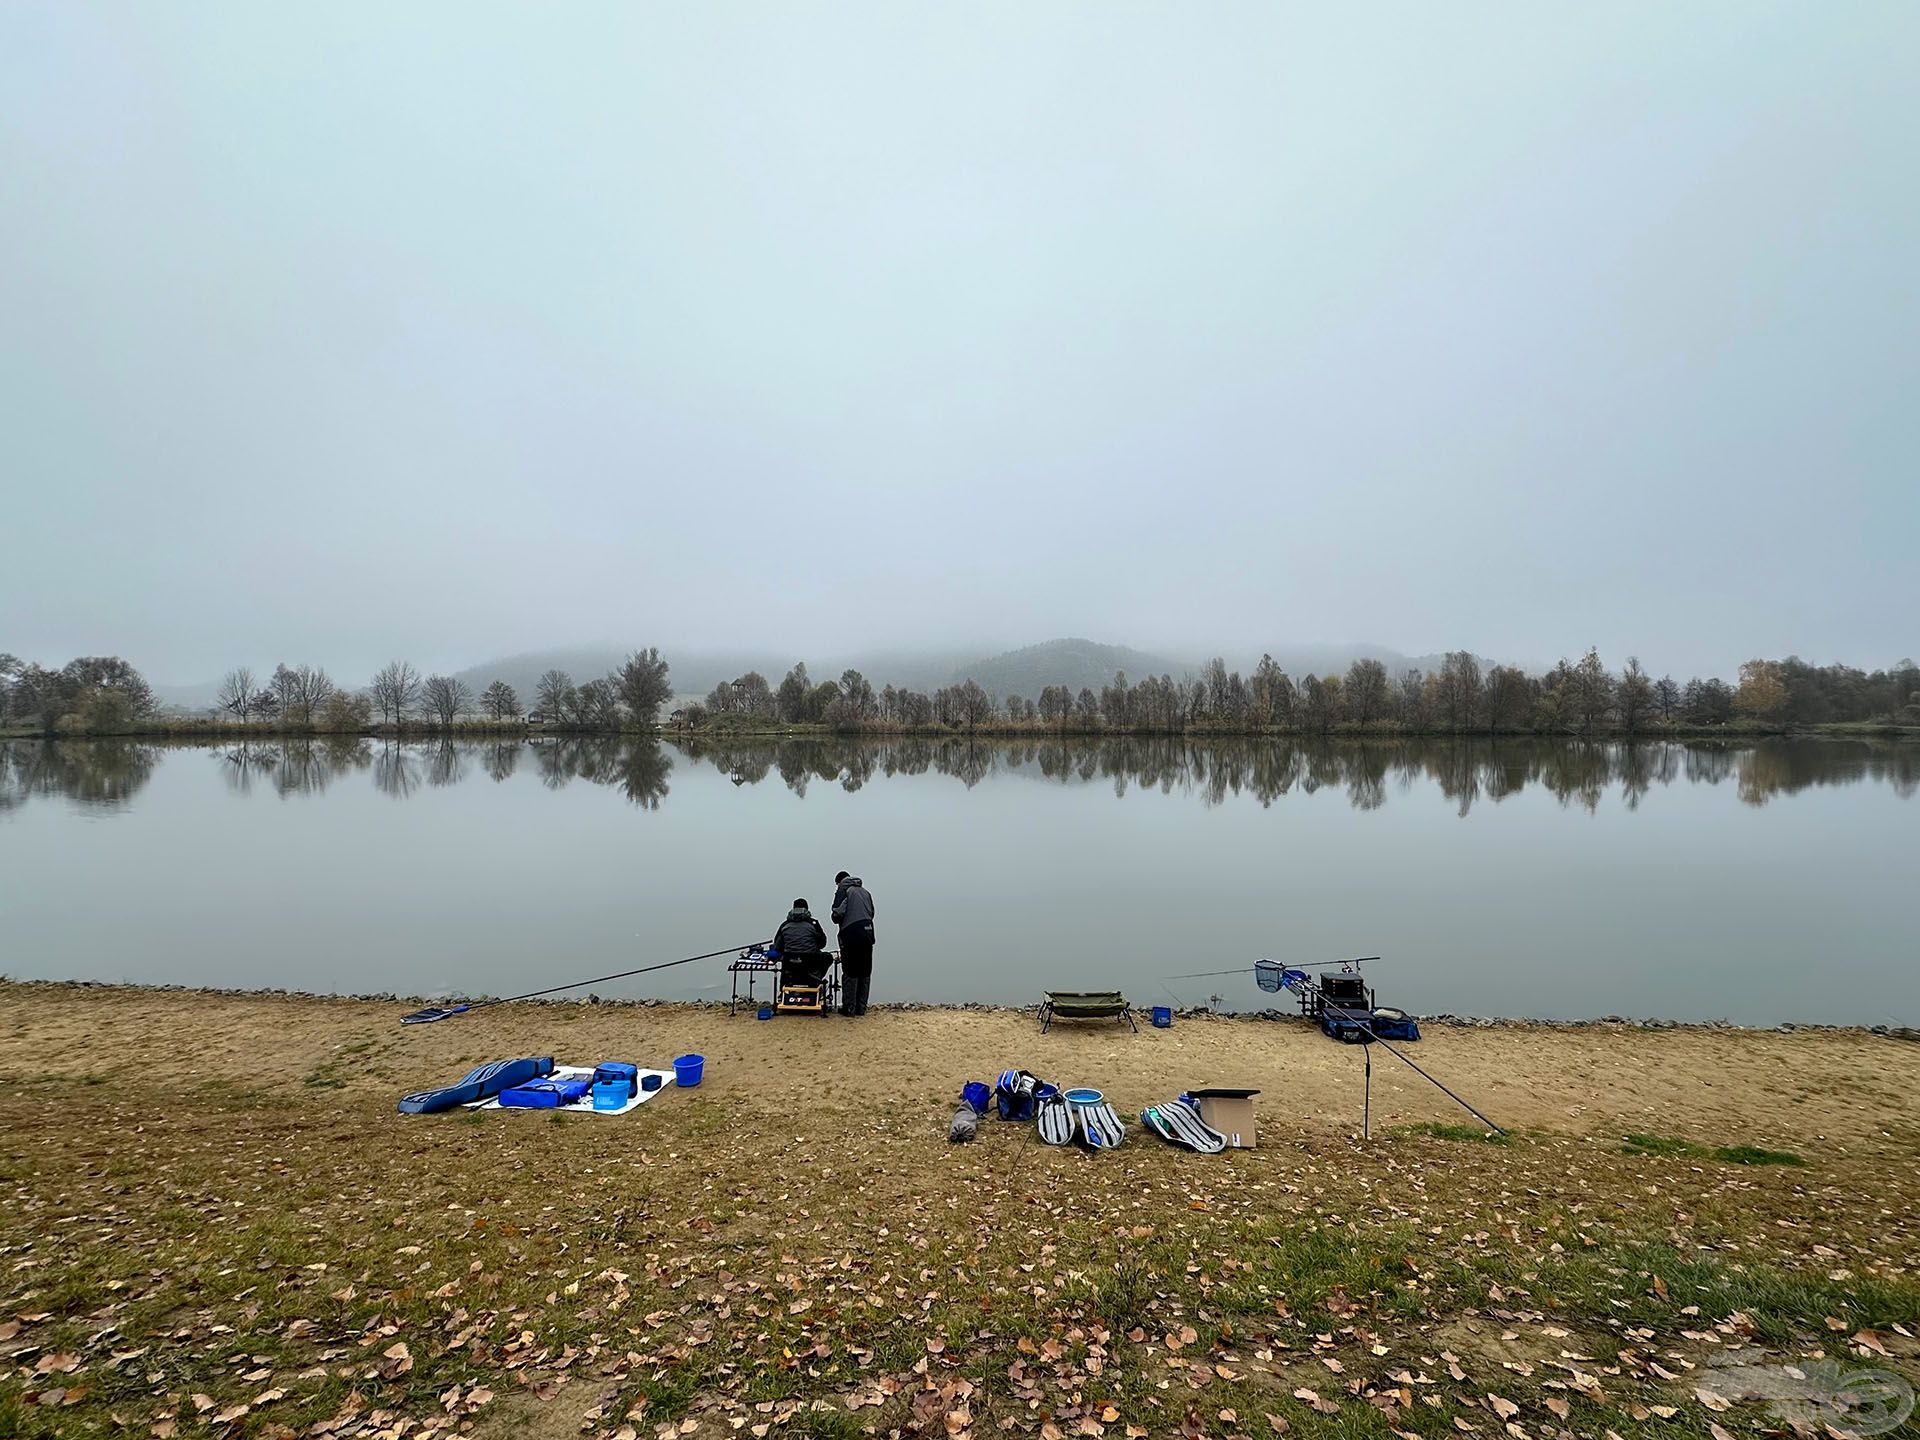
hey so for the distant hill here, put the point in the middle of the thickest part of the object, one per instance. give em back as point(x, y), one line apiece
point(1074, 663)
point(694, 673)
point(1077, 664)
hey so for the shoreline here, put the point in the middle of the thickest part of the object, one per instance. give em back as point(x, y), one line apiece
point(220, 1225)
point(1265, 1015)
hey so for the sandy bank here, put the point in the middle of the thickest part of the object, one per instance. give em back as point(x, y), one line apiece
point(1756, 1086)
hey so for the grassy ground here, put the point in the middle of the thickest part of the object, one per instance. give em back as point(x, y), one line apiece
point(251, 1242)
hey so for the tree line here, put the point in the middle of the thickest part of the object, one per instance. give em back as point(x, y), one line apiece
point(105, 694)
point(1462, 696)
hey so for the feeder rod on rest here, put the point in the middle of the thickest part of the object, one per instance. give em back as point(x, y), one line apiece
point(1366, 1101)
point(430, 1013)
point(1243, 969)
point(1367, 1029)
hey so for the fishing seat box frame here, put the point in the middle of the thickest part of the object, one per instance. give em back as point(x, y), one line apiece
point(1085, 1005)
point(1344, 992)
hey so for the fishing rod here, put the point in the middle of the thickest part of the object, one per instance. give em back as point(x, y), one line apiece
point(1271, 965)
point(1296, 979)
point(1355, 1019)
point(427, 1014)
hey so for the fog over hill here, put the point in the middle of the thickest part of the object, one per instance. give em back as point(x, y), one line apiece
point(1075, 663)
point(1025, 671)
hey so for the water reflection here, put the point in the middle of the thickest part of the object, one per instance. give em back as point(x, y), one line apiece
point(290, 767)
point(1578, 774)
point(93, 774)
point(106, 775)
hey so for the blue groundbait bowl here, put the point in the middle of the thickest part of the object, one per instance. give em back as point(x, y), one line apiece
point(1162, 1017)
point(1081, 1095)
point(686, 1070)
point(765, 1012)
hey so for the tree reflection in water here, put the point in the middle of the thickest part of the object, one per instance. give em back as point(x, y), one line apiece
point(107, 774)
point(94, 774)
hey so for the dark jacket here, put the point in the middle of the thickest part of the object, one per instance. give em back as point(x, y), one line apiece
point(853, 906)
point(800, 934)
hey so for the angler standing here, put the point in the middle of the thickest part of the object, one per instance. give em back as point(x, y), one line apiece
point(853, 913)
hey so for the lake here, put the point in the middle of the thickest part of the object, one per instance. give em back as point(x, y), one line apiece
point(1756, 882)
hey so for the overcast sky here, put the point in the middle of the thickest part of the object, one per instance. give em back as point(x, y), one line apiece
point(332, 332)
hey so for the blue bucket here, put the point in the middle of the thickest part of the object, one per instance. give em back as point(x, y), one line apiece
point(686, 1070)
point(1162, 1017)
point(765, 1012)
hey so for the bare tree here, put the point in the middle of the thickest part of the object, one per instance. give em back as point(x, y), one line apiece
point(1666, 698)
point(554, 696)
point(285, 685)
point(1593, 688)
point(1366, 690)
point(312, 689)
point(394, 690)
point(972, 705)
point(446, 699)
point(1460, 688)
point(238, 694)
point(856, 693)
point(500, 701)
point(1412, 697)
point(594, 705)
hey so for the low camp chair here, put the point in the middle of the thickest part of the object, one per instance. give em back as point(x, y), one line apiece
point(1085, 1005)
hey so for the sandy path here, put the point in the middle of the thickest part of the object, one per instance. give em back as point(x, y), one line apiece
point(1841, 1090)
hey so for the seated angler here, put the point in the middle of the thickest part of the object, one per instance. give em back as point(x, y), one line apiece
point(803, 947)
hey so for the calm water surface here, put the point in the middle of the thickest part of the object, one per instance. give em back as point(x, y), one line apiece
point(1758, 883)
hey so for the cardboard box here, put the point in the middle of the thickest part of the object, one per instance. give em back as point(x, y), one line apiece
point(1230, 1112)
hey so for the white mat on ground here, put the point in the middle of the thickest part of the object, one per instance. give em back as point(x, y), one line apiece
point(584, 1105)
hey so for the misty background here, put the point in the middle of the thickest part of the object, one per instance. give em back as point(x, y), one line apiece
point(836, 332)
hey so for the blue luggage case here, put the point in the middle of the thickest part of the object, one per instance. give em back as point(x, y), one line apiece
point(545, 1094)
point(617, 1072)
